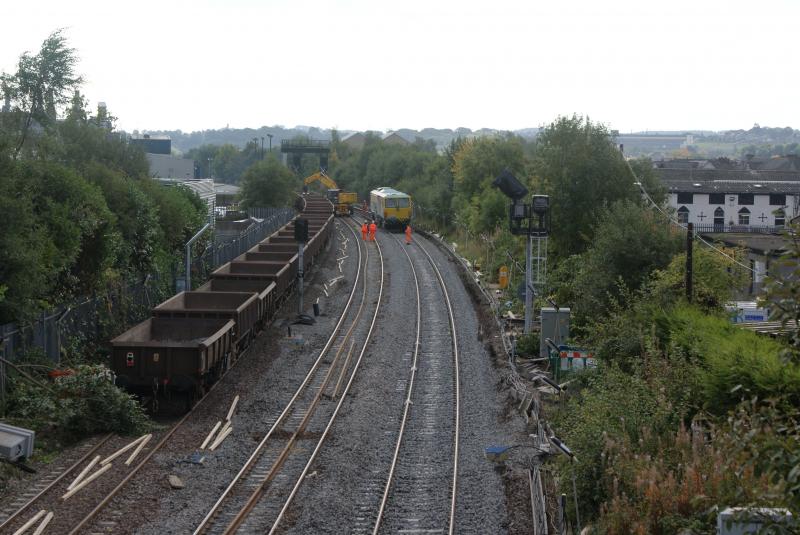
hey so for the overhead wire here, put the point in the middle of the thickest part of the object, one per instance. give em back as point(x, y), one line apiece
point(686, 227)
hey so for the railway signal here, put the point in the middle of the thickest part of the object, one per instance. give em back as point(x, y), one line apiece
point(531, 220)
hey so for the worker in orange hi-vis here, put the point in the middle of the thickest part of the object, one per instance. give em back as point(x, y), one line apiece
point(364, 231)
point(408, 234)
point(373, 228)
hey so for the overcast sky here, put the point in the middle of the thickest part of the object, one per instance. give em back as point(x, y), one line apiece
point(373, 64)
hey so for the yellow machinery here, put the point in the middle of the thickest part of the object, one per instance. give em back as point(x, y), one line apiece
point(391, 208)
point(343, 201)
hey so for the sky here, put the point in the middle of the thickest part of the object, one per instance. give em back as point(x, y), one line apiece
point(633, 65)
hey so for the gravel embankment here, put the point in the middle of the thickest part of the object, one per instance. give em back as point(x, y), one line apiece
point(351, 472)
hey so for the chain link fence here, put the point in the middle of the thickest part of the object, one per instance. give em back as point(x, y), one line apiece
point(98, 318)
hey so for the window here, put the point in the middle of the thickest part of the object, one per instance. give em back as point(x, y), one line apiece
point(716, 198)
point(391, 203)
point(402, 203)
point(683, 215)
point(685, 198)
point(780, 218)
point(745, 199)
point(744, 216)
point(777, 199)
point(719, 220)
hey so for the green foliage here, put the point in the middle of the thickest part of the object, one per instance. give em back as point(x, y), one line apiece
point(674, 482)
point(583, 172)
point(528, 345)
point(22, 249)
point(181, 213)
point(84, 140)
point(733, 361)
point(614, 403)
point(268, 183)
point(43, 83)
point(60, 238)
point(136, 215)
point(630, 241)
point(783, 291)
point(77, 405)
point(378, 164)
point(476, 163)
point(715, 279)
point(77, 213)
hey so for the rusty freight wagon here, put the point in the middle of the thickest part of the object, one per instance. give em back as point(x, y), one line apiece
point(281, 273)
point(264, 289)
point(184, 355)
point(242, 308)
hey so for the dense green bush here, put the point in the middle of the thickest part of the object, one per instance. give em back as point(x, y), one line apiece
point(77, 405)
point(732, 361)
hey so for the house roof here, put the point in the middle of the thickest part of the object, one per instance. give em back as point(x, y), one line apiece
point(353, 135)
point(729, 181)
point(226, 189)
point(732, 186)
point(389, 135)
point(759, 243)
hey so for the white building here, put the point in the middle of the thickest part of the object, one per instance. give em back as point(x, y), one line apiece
point(716, 200)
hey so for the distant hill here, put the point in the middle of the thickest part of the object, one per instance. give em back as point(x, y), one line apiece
point(184, 141)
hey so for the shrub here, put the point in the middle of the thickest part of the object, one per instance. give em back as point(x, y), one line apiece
point(79, 404)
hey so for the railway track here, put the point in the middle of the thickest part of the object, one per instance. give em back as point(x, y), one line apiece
point(21, 508)
point(282, 459)
point(76, 513)
point(419, 495)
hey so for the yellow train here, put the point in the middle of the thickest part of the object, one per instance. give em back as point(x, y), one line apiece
point(390, 208)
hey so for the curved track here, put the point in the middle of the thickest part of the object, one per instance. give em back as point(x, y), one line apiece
point(286, 451)
point(424, 468)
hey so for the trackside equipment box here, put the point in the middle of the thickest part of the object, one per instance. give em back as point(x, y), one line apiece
point(753, 520)
point(15, 442)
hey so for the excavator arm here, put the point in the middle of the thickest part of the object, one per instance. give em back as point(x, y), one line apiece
point(327, 181)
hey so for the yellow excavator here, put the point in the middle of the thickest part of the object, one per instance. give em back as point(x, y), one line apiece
point(343, 201)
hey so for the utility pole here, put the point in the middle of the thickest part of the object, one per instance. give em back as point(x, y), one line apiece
point(689, 241)
point(262, 147)
point(270, 142)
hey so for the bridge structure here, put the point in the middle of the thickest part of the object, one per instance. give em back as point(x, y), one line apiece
point(295, 149)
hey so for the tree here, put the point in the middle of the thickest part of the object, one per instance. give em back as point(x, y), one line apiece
point(783, 290)
point(584, 173)
point(268, 183)
point(630, 242)
point(136, 215)
point(43, 83)
point(476, 163)
point(180, 213)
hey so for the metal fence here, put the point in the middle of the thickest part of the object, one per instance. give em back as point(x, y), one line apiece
point(221, 253)
point(750, 229)
point(94, 318)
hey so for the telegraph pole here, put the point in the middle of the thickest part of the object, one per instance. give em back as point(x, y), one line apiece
point(689, 241)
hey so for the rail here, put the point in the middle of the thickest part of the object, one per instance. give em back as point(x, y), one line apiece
point(343, 397)
point(255, 496)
